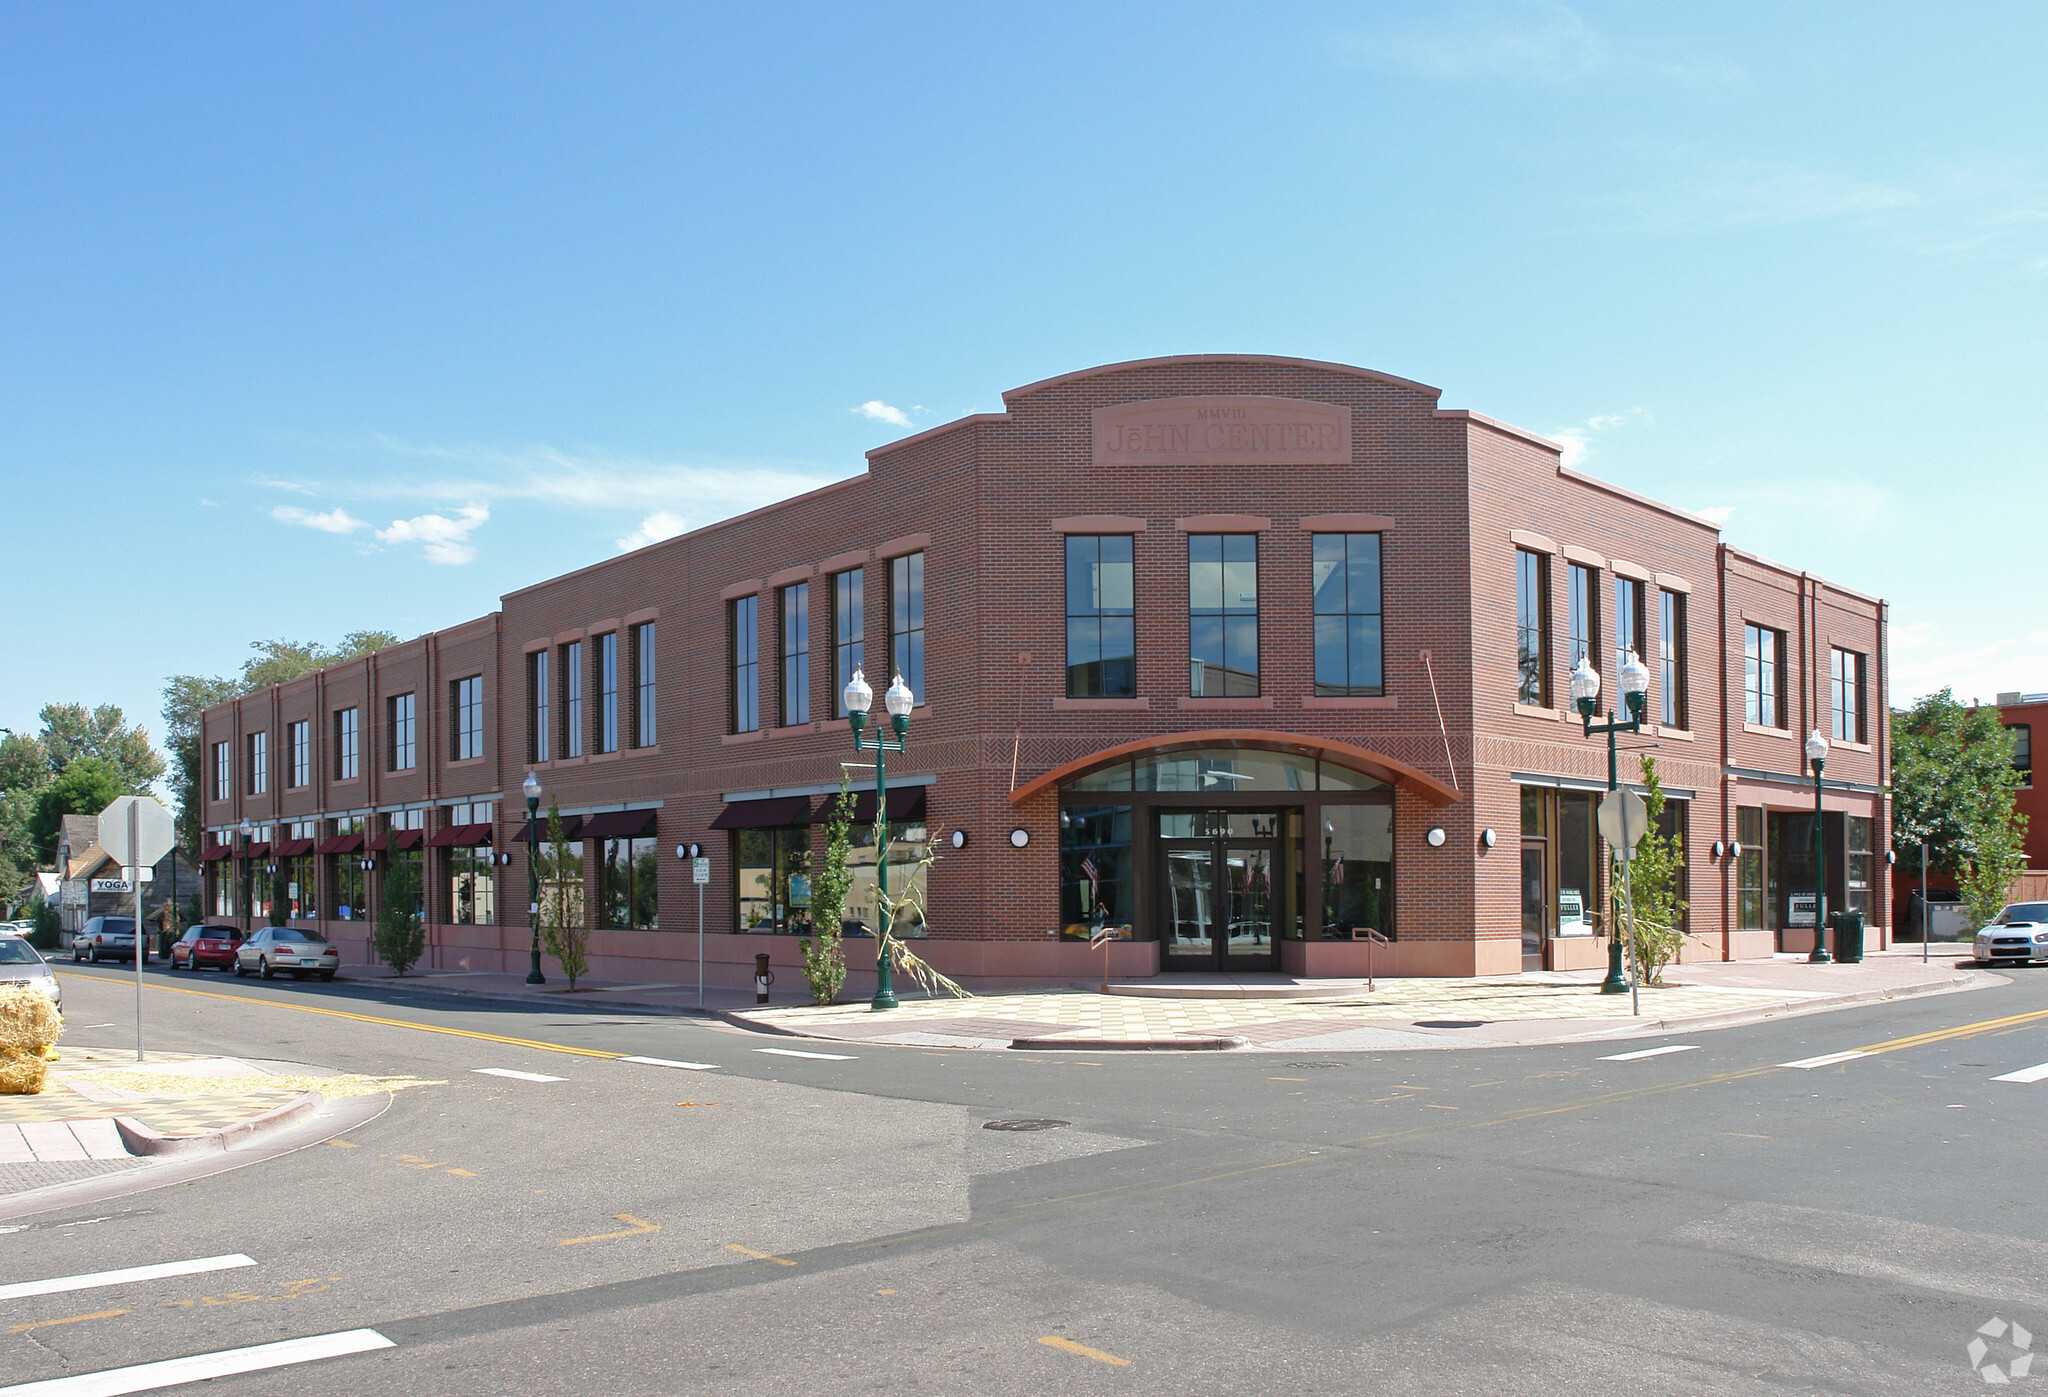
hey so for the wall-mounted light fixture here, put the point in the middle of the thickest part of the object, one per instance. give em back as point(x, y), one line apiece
point(1891, 856)
point(1435, 837)
point(959, 839)
point(1488, 838)
point(1735, 850)
point(1019, 838)
point(1719, 848)
point(687, 852)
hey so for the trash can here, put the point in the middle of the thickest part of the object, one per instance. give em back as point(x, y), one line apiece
point(1848, 929)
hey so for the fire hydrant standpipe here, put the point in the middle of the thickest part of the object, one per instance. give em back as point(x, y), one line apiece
point(763, 978)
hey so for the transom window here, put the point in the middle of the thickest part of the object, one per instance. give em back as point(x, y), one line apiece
point(1222, 770)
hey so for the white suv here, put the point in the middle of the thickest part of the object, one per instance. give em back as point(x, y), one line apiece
point(2020, 934)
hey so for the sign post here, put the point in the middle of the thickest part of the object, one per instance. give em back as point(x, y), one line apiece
point(700, 874)
point(137, 831)
point(1624, 819)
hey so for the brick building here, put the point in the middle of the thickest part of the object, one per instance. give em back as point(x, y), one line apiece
point(1239, 656)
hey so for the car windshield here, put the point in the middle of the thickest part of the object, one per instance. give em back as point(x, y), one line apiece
point(117, 926)
point(14, 952)
point(2023, 912)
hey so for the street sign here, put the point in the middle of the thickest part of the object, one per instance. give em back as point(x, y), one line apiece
point(1624, 820)
point(144, 874)
point(112, 885)
point(142, 839)
point(700, 870)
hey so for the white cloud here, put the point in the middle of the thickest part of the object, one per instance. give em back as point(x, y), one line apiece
point(441, 539)
point(1578, 441)
point(1717, 514)
point(334, 521)
point(882, 412)
point(663, 523)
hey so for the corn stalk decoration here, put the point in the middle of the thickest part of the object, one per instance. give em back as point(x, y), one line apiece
point(911, 902)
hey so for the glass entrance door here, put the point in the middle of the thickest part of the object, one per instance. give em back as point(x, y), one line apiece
point(1220, 896)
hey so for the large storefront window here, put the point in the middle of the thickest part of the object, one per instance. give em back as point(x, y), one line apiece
point(566, 882)
point(626, 876)
point(472, 888)
point(345, 872)
point(1862, 863)
point(1095, 872)
point(1578, 863)
point(1749, 868)
point(774, 878)
point(298, 875)
point(1358, 871)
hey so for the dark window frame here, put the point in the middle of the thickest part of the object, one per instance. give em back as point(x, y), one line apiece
point(258, 745)
point(743, 648)
point(1532, 627)
point(793, 653)
point(605, 659)
point(539, 705)
point(849, 646)
point(1582, 613)
point(646, 708)
point(299, 754)
point(906, 606)
point(1222, 639)
point(348, 743)
point(1097, 626)
point(401, 729)
point(1347, 616)
point(572, 698)
point(466, 718)
point(1848, 710)
point(1673, 697)
point(1763, 675)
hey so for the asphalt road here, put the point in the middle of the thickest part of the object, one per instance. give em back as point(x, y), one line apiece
point(1532, 1220)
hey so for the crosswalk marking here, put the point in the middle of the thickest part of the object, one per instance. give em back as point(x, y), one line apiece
point(671, 1062)
point(1653, 1052)
point(92, 1279)
point(2026, 1074)
point(792, 1052)
point(173, 1372)
point(1829, 1060)
point(517, 1076)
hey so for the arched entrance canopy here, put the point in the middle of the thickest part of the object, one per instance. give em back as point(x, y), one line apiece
point(1375, 764)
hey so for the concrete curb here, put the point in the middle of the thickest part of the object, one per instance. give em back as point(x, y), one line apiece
point(1735, 1018)
point(1130, 1045)
point(141, 1140)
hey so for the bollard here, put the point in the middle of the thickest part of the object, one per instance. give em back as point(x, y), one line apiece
point(763, 978)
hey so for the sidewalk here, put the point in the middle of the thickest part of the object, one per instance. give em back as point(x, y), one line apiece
point(1493, 1011)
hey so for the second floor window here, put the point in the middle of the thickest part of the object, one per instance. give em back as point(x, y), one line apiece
point(1347, 612)
point(1532, 628)
point(1223, 615)
point(1101, 645)
point(1628, 620)
point(2023, 751)
point(222, 771)
point(259, 763)
point(1762, 653)
point(745, 619)
point(1582, 614)
point(467, 702)
point(795, 628)
point(608, 692)
point(347, 745)
point(539, 707)
point(645, 732)
point(906, 620)
point(1671, 658)
point(300, 735)
point(399, 716)
point(847, 648)
point(1846, 696)
point(572, 699)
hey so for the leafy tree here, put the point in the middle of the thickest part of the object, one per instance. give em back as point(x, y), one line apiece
point(401, 934)
point(831, 877)
point(24, 763)
point(1952, 786)
point(87, 786)
point(564, 929)
point(72, 732)
point(187, 697)
point(1655, 882)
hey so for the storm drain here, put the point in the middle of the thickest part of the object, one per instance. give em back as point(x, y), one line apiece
point(1023, 1125)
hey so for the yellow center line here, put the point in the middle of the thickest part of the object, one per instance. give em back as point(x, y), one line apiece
point(370, 1018)
point(638, 1229)
point(764, 1256)
point(1968, 1030)
point(1069, 1346)
point(68, 1319)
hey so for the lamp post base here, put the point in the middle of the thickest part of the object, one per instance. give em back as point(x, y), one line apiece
point(533, 975)
point(1616, 982)
point(1819, 955)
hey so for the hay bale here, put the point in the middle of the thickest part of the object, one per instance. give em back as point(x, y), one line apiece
point(28, 1021)
point(21, 1072)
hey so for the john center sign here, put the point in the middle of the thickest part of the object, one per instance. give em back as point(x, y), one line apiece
point(1223, 431)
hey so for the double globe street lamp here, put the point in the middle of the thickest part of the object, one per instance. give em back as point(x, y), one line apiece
point(898, 701)
point(1817, 757)
point(530, 788)
point(1635, 687)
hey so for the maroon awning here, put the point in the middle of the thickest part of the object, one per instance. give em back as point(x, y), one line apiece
point(460, 836)
point(217, 853)
point(254, 850)
point(408, 838)
point(764, 814)
point(339, 844)
point(572, 826)
point(619, 824)
point(905, 803)
point(292, 848)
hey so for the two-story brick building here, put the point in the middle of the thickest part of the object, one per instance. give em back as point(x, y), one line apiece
point(1240, 656)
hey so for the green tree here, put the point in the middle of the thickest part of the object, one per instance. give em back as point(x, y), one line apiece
point(564, 927)
point(72, 732)
point(401, 933)
point(1655, 882)
point(1952, 786)
point(831, 876)
point(87, 786)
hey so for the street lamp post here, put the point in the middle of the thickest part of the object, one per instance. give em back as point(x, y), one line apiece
point(530, 787)
point(898, 701)
point(1635, 685)
point(1817, 755)
point(248, 878)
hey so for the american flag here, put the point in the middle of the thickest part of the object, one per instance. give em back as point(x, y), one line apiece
point(1094, 875)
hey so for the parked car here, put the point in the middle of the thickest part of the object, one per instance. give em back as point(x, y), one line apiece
point(206, 945)
point(277, 948)
point(111, 938)
point(23, 964)
point(2020, 933)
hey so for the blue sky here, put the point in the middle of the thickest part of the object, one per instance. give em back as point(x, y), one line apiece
point(315, 318)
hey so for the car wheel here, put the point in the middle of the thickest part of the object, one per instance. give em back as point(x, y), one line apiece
point(240, 969)
point(327, 974)
point(262, 968)
point(92, 957)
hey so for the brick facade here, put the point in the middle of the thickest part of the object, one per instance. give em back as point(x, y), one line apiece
point(987, 500)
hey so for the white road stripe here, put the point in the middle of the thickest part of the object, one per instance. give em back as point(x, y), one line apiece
point(517, 1076)
point(792, 1052)
point(1828, 1061)
point(2026, 1074)
point(172, 1372)
point(1653, 1052)
point(670, 1062)
point(123, 1276)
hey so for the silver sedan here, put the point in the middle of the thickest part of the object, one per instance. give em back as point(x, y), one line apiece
point(276, 948)
point(2019, 934)
point(22, 964)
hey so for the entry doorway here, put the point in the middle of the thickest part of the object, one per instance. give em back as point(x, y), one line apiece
point(1220, 890)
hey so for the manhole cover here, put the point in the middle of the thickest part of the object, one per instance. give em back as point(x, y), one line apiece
point(1315, 1064)
point(1450, 1023)
point(1023, 1125)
